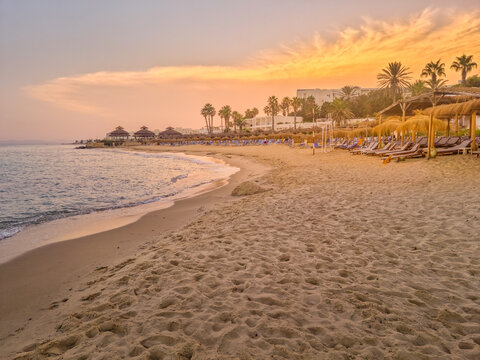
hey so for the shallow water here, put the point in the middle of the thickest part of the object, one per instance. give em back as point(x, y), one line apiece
point(40, 183)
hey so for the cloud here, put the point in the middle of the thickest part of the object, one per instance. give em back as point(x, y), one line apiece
point(354, 57)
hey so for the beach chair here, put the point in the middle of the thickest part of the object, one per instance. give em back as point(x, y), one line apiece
point(456, 149)
point(372, 146)
point(387, 147)
point(423, 141)
point(353, 145)
point(452, 141)
point(394, 150)
point(415, 151)
point(342, 143)
point(441, 141)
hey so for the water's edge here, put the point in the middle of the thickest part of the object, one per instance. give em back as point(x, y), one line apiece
point(96, 221)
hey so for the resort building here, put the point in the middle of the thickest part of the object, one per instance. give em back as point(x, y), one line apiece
point(281, 123)
point(216, 130)
point(326, 95)
point(186, 131)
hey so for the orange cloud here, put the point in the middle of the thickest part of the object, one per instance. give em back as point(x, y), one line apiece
point(354, 57)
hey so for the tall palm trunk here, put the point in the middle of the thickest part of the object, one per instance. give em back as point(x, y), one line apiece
point(273, 123)
point(207, 124)
point(295, 121)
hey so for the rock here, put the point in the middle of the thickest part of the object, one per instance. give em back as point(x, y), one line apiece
point(247, 188)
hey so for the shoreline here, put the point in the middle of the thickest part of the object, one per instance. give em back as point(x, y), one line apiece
point(50, 272)
point(76, 226)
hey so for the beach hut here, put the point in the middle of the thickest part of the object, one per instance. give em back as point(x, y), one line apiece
point(469, 108)
point(170, 133)
point(119, 134)
point(144, 133)
point(460, 99)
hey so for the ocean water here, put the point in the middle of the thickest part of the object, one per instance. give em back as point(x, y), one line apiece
point(40, 183)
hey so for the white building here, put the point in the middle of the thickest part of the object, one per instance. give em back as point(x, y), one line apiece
point(203, 130)
point(324, 95)
point(281, 123)
point(186, 131)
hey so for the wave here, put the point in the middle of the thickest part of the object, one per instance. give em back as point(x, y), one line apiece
point(109, 190)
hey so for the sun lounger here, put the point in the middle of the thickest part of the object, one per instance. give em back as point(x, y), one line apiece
point(423, 141)
point(387, 147)
point(402, 149)
point(372, 146)
point(441, 141)
point(416, 151)
point(454, 150)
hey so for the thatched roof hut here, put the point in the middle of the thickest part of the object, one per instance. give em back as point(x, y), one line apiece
point(119, 133)
point(445, 102)
point(442, 96)
point(170, 133)
point(144, 133)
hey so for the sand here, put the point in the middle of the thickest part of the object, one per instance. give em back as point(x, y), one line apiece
point(342, 258)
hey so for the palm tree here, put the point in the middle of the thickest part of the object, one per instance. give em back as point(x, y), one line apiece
point(309, 106)
point(249, 114)
point(272, 103)
point(417, 88)
point(225, 112)
point(296, 103)
point(464, 64)
point(239, 121)
point(266, 110)
point(394, 77)
point(340, 111)
point(235, 117)
point(285, 105)
point(434, 70)
point(205, 113)
point(349, 91)
point(211, 113)
point(435, 85)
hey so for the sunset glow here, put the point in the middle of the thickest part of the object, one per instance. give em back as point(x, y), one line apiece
point(172, 95)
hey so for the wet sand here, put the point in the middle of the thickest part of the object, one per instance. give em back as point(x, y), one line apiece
point(342, 258)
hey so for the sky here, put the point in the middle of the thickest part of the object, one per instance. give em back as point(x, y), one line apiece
point(77, 69)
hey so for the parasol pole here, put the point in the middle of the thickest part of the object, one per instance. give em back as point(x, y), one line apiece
point(473, 126)
point(313, 129)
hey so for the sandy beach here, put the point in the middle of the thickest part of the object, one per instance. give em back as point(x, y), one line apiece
point(341, 257)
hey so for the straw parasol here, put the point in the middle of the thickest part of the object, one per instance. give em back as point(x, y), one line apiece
point(386, 127)
point(420, 123)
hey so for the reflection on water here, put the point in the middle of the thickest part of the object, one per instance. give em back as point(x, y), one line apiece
point(40, 183)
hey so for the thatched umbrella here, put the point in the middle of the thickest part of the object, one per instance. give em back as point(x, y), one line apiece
point(386, 128)
point(119, 133)
point(420, 123)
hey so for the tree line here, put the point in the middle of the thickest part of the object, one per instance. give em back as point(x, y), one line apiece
point(394, 81)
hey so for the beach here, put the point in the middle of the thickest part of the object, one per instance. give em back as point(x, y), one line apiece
point(340, 257)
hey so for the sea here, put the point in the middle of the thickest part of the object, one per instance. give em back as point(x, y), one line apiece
point(43, 183)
